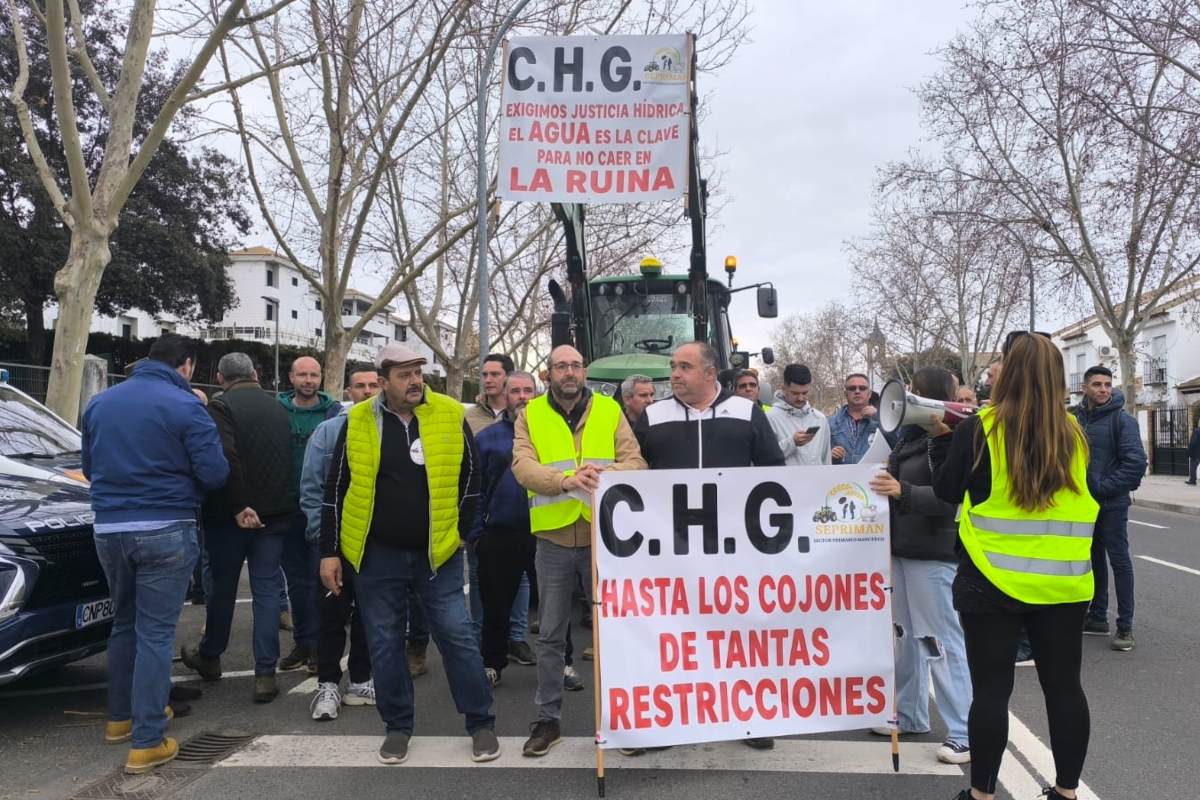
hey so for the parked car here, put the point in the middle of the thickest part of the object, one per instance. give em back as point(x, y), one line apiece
point(54, 602)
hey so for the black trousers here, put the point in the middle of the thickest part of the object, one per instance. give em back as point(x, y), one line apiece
point(504, 555)
point(1056, 634)
point(336, 611)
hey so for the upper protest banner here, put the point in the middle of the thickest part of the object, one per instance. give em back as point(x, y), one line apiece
point(736, 603)
point(594, 119)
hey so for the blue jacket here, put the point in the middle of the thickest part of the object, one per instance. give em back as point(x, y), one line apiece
point(150, 449)
point(317, 455)
point(504, 504)
point(1118, 460)
point(842, 430)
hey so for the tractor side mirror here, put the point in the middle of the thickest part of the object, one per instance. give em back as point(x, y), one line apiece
point(768, 302)
point(767, 356)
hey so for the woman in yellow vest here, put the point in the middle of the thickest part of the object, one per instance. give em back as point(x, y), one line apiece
point(1019, 469)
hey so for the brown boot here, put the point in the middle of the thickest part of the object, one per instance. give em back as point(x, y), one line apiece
point(416, 660)
point(144, 759)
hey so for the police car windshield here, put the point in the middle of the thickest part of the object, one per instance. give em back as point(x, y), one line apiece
point(28, 430)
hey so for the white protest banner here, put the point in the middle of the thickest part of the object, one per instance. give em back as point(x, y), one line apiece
point(735, 603)
point(594, 119)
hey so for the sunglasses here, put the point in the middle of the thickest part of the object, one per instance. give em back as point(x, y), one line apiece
point(857, 388)
point(1012, 337)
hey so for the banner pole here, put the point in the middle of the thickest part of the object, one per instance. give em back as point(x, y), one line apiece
point(895, 688)
point(596, 658)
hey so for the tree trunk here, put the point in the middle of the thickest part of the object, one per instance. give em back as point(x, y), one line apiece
point(1128, 363)
point(337, 350)
point(455, 371)
point(35, 330)
point(75, 285)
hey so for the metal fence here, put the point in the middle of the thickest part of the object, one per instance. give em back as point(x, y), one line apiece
point(1169, 432)
point(33, 380)
point(30, 379)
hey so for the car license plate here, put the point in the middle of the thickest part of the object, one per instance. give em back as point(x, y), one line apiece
point(90, 613)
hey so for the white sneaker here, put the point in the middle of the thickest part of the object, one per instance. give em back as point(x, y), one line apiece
point(954, 753)
point(360, 694)
point(493, 677)
point(325, 702)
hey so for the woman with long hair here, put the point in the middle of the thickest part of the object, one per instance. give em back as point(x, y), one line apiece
point(929, 638)
point(1019, 469)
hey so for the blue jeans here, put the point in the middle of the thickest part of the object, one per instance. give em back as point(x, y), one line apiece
point(929, 639)
point(519, 621)
point(301, 565)
point(148, 573)
point(228, 548)
point(416, 632)
point(1111, 538)
point(383, 583)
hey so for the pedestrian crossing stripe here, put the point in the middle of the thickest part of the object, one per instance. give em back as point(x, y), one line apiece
point(579, 752)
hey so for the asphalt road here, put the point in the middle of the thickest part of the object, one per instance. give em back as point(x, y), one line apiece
point(1143, 706)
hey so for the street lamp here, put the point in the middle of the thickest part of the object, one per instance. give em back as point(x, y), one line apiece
point(275, 302)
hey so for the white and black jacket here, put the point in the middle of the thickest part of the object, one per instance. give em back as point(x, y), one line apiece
point(732, 432)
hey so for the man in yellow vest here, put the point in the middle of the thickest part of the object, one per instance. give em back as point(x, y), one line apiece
point(561, 443)
point(399, 499)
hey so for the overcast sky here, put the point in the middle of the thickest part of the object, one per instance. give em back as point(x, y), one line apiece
point(821, 96)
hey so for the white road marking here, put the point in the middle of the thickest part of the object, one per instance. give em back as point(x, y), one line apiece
point(1170, 564)
point(579, 752)
point(1039, 757)
point(92, 687)
point(1148, 524)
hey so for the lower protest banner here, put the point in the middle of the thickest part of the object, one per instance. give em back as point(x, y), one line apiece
point(736, 603)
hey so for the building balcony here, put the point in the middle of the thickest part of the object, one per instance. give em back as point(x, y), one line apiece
point(1154, 372)
point(1075, 383)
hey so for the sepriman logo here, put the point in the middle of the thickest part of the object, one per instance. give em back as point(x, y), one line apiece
point(667, 66)
point(848, 510)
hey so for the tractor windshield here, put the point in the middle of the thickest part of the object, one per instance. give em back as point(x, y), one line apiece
point(641, 320)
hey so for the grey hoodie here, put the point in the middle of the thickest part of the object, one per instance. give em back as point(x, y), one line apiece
point(786, 421)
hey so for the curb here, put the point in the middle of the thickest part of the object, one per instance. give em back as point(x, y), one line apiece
point(1158, 505)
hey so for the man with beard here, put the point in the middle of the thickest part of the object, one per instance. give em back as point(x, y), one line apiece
point(399, 499)
point(561, 443)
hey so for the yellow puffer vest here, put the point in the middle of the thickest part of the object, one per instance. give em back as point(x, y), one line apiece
point(440, 420)
point(1041, 557)
point(555, 445)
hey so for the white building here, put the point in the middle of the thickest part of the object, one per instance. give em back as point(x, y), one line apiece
point(271, 295)
point(1167, 352)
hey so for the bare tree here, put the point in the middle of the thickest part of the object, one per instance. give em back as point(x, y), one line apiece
point(91, 204)
point(950, 272)
point(829, 341)
point(1016, 101)
point(348, 116)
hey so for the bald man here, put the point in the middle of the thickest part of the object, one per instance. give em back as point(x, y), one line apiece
point(307, 408)
point(562, 441)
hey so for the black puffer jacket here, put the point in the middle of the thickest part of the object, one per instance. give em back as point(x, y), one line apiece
point(256, 436)
point(923, 527)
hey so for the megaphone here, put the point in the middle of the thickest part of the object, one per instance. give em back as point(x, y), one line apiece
point(898, 406)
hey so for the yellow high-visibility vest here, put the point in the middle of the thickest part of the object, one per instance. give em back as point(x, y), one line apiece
point(555, 445)
point(440, 421)
point(1041, 557)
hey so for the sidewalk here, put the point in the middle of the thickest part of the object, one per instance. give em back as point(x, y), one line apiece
point(1168, 493)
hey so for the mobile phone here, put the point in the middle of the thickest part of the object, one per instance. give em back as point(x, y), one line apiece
point(811, 431)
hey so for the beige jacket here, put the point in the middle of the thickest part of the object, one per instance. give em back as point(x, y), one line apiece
point(480, 416)
point(541, 479)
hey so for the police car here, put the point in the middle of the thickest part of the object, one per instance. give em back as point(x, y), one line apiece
point(54, 603)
